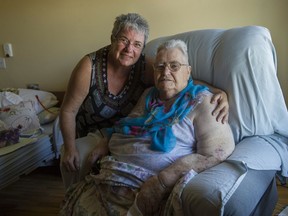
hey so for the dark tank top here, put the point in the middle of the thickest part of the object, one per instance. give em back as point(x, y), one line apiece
point(100, 108)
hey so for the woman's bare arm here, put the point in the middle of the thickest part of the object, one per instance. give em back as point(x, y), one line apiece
point(77, 90)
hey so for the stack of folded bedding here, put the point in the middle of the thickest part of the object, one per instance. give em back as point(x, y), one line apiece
point(26, 122)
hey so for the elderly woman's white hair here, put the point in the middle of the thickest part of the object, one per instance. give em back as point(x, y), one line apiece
point(181, 45)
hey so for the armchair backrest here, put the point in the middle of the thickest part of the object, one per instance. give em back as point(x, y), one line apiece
point(241, 61)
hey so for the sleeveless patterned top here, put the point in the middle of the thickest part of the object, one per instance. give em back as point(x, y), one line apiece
point(100, 108)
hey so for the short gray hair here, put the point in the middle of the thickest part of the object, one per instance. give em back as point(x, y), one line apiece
point(175, 43)
point(133, 21)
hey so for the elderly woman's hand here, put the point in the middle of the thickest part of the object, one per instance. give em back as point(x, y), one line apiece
point(150, 197)
point(99, 151)
point(222, 109)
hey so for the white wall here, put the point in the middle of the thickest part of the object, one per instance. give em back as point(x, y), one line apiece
point(49, 37)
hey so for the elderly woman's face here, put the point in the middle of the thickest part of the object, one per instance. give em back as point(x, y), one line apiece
point(127, 47)
point(170, 80)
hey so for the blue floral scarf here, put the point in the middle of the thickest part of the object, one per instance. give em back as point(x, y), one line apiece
point(157, 120)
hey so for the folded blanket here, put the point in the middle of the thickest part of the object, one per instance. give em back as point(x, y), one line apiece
point(114, 191)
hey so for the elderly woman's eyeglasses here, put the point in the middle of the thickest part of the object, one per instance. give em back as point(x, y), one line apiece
point(124, 41)
point(172, 66)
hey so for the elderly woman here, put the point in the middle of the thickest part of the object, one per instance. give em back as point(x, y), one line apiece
point(105, 86)
point(168, 138)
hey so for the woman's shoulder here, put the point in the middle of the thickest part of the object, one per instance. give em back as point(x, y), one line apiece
point(201, 103)
point(204, 95)
point(92, 55)
point(143, 97)
point(147, 90)
point(139, 108)
point(203, 99)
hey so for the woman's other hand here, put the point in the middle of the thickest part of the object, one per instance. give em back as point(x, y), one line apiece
point(99, 151)
point(71, 160)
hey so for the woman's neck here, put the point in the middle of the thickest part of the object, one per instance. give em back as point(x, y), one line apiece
point(117, 75)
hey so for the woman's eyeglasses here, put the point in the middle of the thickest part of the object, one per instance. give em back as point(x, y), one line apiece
point(124, 41)
point(172, 66)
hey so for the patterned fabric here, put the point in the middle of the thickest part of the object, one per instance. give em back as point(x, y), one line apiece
point(111, 192)
point(101, 109)
point(114, 190)
point(158, 120)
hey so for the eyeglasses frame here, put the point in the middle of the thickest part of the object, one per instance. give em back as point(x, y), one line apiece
point(168, 65)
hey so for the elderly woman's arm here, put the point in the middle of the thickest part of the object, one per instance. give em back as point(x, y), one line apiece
point(214, 144)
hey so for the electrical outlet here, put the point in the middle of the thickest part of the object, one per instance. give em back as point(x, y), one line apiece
point(8, 49)
point(2, 63)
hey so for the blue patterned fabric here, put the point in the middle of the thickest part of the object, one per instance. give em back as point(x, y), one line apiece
point(158, 120)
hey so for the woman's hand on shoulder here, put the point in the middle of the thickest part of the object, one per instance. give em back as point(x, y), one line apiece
point(222, 106)
point(220, 99)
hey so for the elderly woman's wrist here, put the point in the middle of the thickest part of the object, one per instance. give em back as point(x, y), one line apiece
point(164, 185)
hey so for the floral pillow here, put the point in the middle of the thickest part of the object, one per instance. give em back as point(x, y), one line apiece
point(9, 98)
point(21, 116)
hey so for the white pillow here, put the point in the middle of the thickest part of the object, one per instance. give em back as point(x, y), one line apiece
point(47, 99)
point(49, 115)
point(9, 98)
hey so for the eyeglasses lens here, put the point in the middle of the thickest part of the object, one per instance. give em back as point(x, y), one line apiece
point(172, 66)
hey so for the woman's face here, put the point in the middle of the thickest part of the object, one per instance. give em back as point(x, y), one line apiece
point(127, 47)
point(168, 82)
